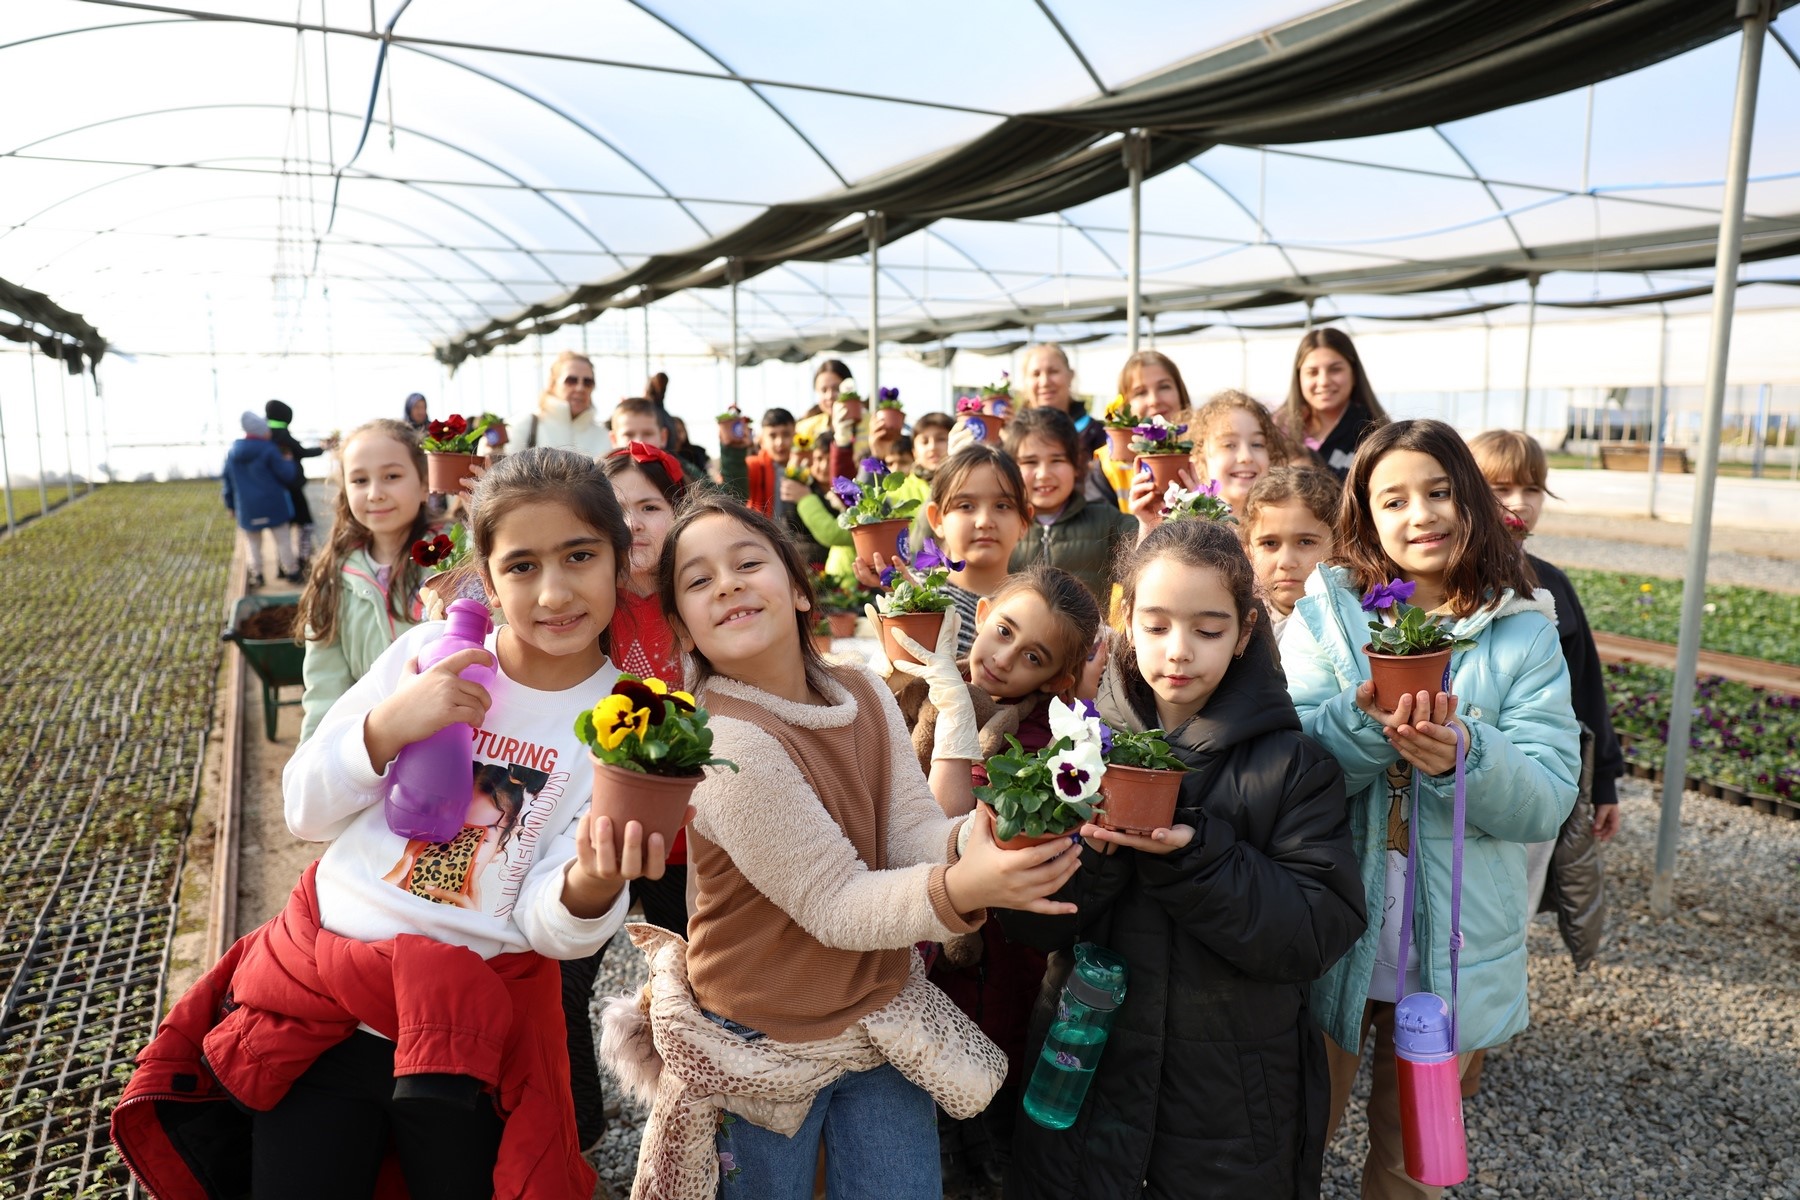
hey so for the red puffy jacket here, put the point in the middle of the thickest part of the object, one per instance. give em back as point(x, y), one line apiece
point(291, 990)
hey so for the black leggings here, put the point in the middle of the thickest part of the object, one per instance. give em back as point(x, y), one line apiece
point(329, 1134)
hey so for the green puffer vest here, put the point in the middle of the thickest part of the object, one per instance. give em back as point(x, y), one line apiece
point(1081, 541)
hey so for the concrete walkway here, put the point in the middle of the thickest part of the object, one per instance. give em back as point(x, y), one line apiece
point(1760, 504)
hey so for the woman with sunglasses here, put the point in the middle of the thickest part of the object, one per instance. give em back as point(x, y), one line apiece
point(565, 415)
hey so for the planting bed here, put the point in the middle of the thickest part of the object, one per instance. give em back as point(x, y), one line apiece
point(1743, 620)
point(111, 633)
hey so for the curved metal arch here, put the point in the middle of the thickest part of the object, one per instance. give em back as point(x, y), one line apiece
point(329, 113)
point(551, 108)
point(1477, 176)
point(56, 33)
point(932, 231)
point(1280, 248)
point(695, 42)
point(1074, 49)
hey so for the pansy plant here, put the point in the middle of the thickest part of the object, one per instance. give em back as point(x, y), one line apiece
point(887, 397)
point(1180, 504)
point(1118, 414)
point(924, 587)
point(1157, 436)
point(1049, 791)
point(872, 495)
point(643, 726)
point(456, 435)
point(1410, 630)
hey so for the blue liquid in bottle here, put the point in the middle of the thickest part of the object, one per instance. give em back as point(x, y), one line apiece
point(1065, 1067)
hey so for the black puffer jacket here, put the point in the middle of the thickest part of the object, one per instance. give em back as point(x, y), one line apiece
point(1213, 1082)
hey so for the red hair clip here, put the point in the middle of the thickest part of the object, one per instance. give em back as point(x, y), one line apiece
point(644, 452)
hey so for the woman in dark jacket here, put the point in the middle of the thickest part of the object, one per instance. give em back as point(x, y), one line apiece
point(1213, 1082)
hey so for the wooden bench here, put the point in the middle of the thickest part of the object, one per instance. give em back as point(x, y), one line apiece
point(1635, 456)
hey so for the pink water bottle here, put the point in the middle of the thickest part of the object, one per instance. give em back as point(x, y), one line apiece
point(1431, 1119)
point(433, 778)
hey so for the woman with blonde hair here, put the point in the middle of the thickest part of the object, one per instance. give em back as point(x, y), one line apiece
point(1049, 383)
point(565, 416)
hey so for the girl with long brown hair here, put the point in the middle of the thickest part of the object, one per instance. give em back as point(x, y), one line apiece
point(1330, 405)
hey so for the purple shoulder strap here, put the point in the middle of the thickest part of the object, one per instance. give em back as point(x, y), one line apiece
point(1458, 816)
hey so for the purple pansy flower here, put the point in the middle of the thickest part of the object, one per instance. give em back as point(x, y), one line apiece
point(846, 490)
point(887, 393)
point(887, 576)
point(1153, 433)
point(931, 557)
point(1386, 595)
point(1106, 735)
point(872, 467)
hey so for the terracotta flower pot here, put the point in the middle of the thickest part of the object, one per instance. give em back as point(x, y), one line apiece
point(998, 406)
point(878, 537)
point(1397, 675)
point(984, 427)
point(733, 431)
point(1164, 468)
point(1023, 841)
point(657, 802)
point(843, 624)
point(889, 422)
point(822, 642)
point(444, 472)
point(920, 627)
point(1137, 800)
point(1120, 442)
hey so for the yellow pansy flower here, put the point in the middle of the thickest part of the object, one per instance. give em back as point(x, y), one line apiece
point(615, 717)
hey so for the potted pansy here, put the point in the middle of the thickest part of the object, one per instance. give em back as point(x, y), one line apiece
point(1120, 426)
point(982, 426)
point(918, 602)
point(1039, 796)
point(850, 400)
point(873, 511)
point(1409, 651)
point(648, 745)
point(1180, 504)
point(1161, 450)
point(841, 603)
point(889, 418)
point(797, 458)
point(449, 447)
point(996, 398)
point(444, 558)
point(1143, 780)
point(734, 430)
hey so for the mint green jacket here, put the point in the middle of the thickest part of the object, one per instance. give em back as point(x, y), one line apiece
point(1521, 770)
point(365, 628)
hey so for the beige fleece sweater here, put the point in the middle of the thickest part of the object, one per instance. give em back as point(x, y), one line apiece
point(820, 862)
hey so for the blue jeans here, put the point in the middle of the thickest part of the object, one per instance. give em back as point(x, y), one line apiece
point(880, 1134)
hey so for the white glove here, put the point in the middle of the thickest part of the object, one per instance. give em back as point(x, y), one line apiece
point(878, 661)
point(954, 736)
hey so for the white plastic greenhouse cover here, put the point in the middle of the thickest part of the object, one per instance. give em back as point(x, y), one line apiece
point(170, 173)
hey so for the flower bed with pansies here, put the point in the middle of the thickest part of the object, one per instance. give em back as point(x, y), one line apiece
point(1744, 744)
point(1737, 620)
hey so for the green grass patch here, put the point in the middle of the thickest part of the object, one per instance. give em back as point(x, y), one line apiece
point(1738, 620)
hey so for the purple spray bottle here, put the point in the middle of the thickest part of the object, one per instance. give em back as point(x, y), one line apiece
point(432, 778)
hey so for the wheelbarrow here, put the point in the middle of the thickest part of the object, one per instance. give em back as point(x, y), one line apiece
point(276, 661)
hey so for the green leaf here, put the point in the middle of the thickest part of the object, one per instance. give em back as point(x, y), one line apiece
point(1006, 828)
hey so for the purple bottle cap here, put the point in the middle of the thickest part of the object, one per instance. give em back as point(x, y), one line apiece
point(469, 620)
point(1422, 1027)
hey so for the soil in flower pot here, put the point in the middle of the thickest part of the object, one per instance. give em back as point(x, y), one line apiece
point(1397, 675)
point(1136, 800)
point(889, 422)
point(920, 627)
point(843, 624)
point(657, 802)
point(1164, 468)
point(1023, 841)
point(878, 537)
point(444, 472)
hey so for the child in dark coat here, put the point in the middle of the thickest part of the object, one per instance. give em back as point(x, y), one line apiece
point(280, 416)
point(256, 481)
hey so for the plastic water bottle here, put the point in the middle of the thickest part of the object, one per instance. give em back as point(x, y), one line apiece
point(433, 778)
point(1084, 1014)
point(1431, 1117)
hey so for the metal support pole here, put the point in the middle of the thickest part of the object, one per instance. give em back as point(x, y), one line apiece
point(1530, 332)
point(1136, 151)
point(732, 274)
point(1659, 408)
point(647, 371)
point(37, 429)
point(6, 474)
point(62, 396)
point(1487, 354)
point(1755, 15)
point(875, 225)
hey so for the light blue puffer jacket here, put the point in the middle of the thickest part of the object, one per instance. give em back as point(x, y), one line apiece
point(1513, 688)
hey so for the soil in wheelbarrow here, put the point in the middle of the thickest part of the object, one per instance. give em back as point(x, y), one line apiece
point(269, 624)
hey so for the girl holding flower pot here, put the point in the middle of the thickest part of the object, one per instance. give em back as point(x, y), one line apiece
point(1419, 523)
point(796, 1011)
point(1244, 900)
point(466, 1072)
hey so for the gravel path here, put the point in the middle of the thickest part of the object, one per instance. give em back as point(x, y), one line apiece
point(1669, 1069)
point(1669, 562)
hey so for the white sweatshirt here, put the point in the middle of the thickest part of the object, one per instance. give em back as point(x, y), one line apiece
point(498, 887)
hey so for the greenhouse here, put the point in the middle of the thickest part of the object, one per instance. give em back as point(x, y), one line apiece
point(844, 268)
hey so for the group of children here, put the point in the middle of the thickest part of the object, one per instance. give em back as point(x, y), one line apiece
point(842, 882)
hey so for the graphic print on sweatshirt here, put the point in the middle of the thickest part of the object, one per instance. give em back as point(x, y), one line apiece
point(510, 802)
